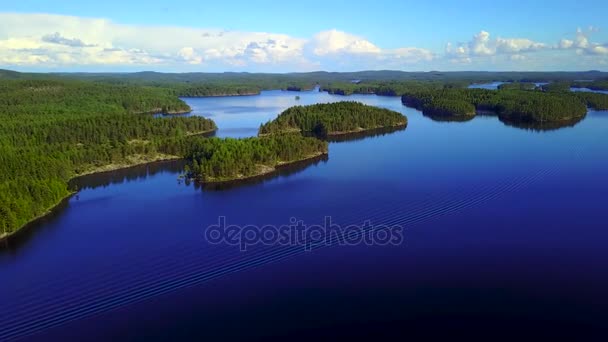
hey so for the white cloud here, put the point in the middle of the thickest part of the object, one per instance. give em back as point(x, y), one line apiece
point(582, 45)
point(517, 45)
point(566, 44)
point(64, 42)
point(335, 42)
point(479, 45)
point(517, 58)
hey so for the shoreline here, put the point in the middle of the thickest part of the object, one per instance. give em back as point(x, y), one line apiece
point(160, 157)
point(338, 134)
point(264, 171)
point(71, 193)
point(364, 130)
point(219, 95)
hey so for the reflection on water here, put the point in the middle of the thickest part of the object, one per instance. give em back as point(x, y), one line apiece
point(13, 243)
point(542, 126)
point(373, 133)
point(443, 118)
point(125, 175)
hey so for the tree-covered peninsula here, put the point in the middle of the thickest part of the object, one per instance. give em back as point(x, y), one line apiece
point(53, 130)
point(219, 160)
point(331, 119)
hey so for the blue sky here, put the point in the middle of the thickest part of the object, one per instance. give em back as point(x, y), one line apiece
point(304, 35)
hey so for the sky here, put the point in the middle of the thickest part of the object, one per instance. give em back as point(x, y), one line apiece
point(300, 36)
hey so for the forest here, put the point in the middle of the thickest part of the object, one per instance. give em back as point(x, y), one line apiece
point(510, 103)
point(517, 86)
point(53, 130)
point(54, 127)
point(217, 160)
point(593, 85)
point(329, 119)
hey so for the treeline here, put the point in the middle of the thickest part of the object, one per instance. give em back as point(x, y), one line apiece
point(328, 119)
point(54, 96)
point(594, 100)
point(215, 160)
point(390, 88)
point(52, 130)
point(514, 105)
point(517, 86)
point(593, 85)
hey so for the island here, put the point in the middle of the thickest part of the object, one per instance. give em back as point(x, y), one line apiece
point(333, 119)
point(215, 160)
point(510, 104)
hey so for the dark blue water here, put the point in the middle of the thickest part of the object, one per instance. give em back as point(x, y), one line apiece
point(504, 231)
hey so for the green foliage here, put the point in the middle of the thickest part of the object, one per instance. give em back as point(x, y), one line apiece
point(594, 85)
point(333, 118)
point(557, 87)
point(594, 100)
point(53, 96)
point(517, 86)
point(228, 159)
point(51, 130)
point(512, 105)
point(387, 88)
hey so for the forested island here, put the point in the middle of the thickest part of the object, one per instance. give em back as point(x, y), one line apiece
point(509, 103)
point(332, 119)
point(216, 160)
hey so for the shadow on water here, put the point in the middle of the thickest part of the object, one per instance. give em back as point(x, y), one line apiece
point(19, 239)
point(541, 126)
point(525, 125)
point(12, 244)
point(442, 118)
point(281, 171)
point(140, 172)
point(378, 132)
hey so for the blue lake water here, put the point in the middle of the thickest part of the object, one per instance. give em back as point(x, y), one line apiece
point(504, 228)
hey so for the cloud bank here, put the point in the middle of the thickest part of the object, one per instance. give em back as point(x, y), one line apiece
point(65, 42)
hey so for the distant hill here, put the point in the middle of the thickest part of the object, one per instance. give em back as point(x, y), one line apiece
point(316, 76)
point(10, 74)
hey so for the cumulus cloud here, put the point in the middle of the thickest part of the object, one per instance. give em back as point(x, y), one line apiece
point(479, 46)
point(90, 41)
point(56, 38)
point(56, 41)
point(482, 45)
point(582, 44)
point(337, 42)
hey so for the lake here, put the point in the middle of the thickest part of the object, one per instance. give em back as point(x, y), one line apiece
point(503, 228)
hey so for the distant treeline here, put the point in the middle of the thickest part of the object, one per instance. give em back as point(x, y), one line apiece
point(332, 118)
point(383, 82)
point(551, 105)
point(595, 85)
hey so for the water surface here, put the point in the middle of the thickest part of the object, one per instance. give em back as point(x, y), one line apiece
point(504, 229)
